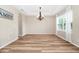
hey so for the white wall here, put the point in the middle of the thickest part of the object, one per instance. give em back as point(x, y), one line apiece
point(74, 36)
point(75, 28)
point(20, 29)
point(8, 28)
point(34, 26)
point(25, 25)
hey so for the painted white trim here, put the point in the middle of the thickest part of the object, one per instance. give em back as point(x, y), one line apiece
point(8, 43)
point(41, 34)
point(75, 44)
point(67, 40)
point(60, 36)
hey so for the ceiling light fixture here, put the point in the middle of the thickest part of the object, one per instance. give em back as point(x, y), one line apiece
point(40, 16)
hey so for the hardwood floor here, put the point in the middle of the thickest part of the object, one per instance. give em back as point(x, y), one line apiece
point(39, 43)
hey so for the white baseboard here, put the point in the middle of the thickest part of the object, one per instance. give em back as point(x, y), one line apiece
point(8, 43)
point(40, 34)
point(67, 41)
point(75, 44)
point(60, 36)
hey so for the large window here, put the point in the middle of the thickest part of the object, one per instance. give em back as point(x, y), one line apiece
point(64, 22)
point(61, 23)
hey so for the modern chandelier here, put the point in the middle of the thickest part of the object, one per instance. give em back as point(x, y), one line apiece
point(40, 16)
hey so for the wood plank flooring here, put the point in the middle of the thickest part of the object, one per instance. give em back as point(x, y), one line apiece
point(38, 44)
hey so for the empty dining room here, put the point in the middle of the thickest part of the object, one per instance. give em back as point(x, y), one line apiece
point(39, 29)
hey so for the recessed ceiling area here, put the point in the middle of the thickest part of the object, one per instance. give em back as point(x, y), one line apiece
point(47, 10)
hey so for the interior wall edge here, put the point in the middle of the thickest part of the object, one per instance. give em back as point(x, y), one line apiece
point(9, 42)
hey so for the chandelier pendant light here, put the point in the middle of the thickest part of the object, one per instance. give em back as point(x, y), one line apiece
point(40, 17)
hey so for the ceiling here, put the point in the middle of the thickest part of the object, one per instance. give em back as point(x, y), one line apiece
point(46, 9)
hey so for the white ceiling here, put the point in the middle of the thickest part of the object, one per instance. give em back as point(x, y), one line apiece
point(46, 9)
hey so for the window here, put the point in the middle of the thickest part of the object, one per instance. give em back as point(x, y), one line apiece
point(64, 22)
point(61, 23)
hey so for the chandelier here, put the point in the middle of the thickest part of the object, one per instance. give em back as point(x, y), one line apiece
point(40, 16)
